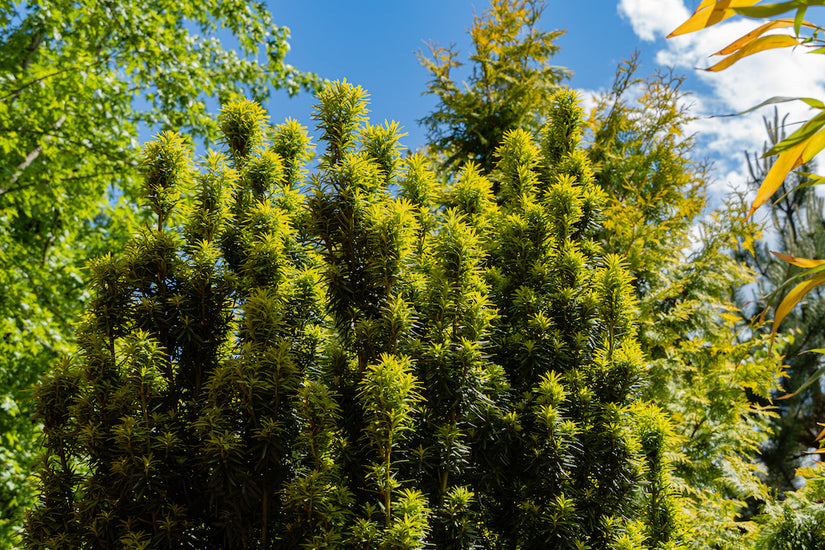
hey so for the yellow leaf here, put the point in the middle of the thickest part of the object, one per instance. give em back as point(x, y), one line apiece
point(821, 434)
point(814, 145)
point(799, 262)
point(793, 297)
point(786, 162)
point(709, 13)
point(747, 243)
point(731, 318)
point(756, 45)
point(759, 31)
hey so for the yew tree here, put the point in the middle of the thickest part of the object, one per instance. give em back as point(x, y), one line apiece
point(701, 367)
point(360, 357)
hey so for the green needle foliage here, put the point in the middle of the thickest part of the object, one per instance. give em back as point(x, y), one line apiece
point(798, 522)
point(362, 359)
point(703, 369)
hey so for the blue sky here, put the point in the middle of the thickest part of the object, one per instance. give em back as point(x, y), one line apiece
point(373, 43)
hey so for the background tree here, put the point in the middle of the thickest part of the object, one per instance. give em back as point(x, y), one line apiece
point(266, 367)
point(796, 149)
point(703, 366)
point(797, 521)
point(794, 226)
point(654, 197)
point(78, 80)
point(509, 87)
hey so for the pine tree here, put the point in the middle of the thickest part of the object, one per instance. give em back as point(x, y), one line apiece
point(795, 227)
point(358, 359)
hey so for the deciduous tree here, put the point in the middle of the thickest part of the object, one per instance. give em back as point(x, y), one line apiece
point(78, 80)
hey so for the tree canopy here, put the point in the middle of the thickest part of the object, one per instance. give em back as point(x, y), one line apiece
point(524, 336)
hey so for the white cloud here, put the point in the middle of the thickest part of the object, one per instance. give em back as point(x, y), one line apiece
point(743, 85)
point(653, 18)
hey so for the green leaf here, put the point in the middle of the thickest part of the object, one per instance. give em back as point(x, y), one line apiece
point(799, 19)
point(804, 133)
point(815, 103)
point(771, 10)
point(813, 378)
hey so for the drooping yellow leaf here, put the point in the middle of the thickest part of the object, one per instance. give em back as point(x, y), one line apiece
point(793, 297)
point(786, 162)
point(709, 13)
point(760, 44)
point(812, 147)
point(799, 262)
point(759, 31)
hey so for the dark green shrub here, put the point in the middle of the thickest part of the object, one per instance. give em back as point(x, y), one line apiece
point(377, 362)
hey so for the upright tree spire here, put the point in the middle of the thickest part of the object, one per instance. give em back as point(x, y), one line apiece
point(510, 86)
